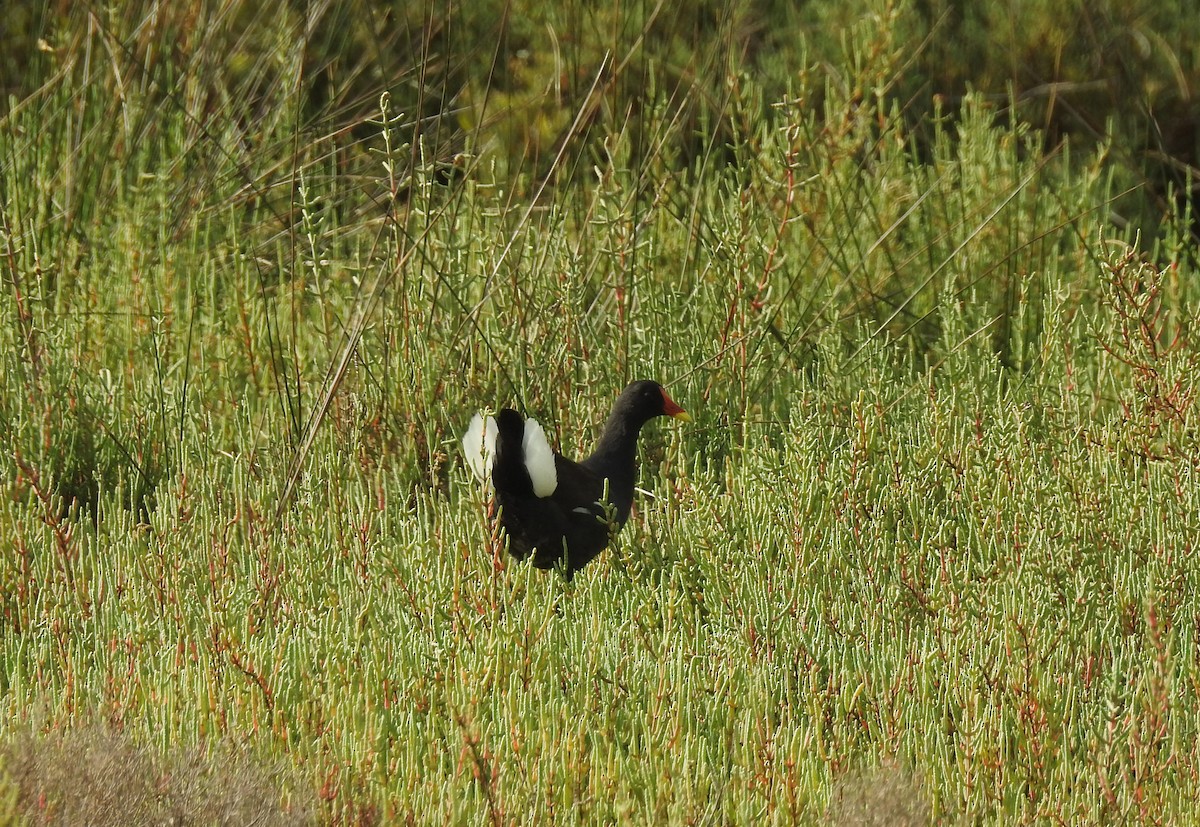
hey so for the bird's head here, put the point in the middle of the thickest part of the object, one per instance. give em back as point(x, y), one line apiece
point(642, 401)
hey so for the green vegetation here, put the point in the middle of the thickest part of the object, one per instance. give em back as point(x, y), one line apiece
point(927, 552)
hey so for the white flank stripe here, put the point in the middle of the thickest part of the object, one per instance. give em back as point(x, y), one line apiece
point(479, 446)
point(539, 459)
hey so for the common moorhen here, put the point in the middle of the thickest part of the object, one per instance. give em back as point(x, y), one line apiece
point(557, 510)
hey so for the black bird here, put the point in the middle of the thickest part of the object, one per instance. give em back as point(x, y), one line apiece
point(557, 510)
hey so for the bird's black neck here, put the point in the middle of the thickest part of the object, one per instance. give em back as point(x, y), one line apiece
point(615, 459)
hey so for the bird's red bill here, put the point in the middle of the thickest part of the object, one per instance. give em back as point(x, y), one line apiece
point(670, 408)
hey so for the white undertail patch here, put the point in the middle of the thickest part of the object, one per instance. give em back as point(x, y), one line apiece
point(479, 446)
point(539, 459)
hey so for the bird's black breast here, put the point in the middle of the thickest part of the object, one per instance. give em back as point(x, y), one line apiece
point(590, 525)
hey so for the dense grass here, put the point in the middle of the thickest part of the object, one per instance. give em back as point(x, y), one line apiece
point(927, 551)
